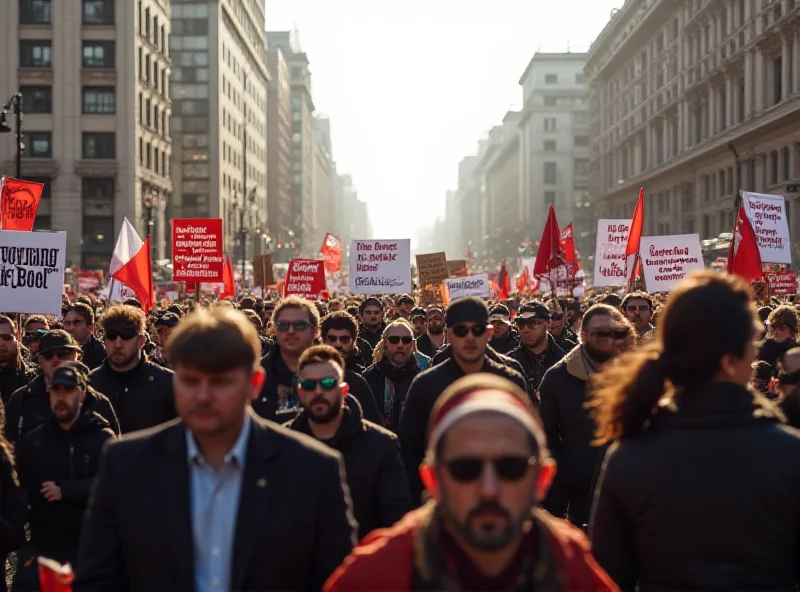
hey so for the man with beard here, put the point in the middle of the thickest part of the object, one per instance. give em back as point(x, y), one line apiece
point(35, 328)
point(563, 395)
point(564, 337)
point(638, 307)
point(140, 390)
point(164, 325)
point(538, 351)
point(504, 339)
point(434, 337)
point(403, 306)
point(782, 325)
point(419, 322)
point(371, 314)
point(57, 463)
point(391, 377)
point(375, 474)
point(79, 322)
point(340, 330)
point(468, 332)
point(14, 372)
point(487, 469)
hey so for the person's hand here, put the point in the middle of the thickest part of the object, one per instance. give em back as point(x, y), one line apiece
point(51, 491)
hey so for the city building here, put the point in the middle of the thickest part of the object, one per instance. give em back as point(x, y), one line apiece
point(455, 245)
point(350, 218)
point(94, 80)
point(219, 92)
point(322, 181)
point(468, 200)
point(694, 101)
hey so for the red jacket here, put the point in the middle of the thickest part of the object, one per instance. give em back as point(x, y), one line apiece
point(384, 560)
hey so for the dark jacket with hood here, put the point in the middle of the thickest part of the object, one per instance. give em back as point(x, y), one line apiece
point(375, 473)
point(94, 353)
point(384, 379)
point(523, 355)
point(282, 381)
point(13, 511)
point(369, 337)
point(706, 498)
point(355, 361)
point(505, 345)
point(69, 458)
point(15, 377)
point(446, 353)
point(771, 351)
point(29, 407)
point(142, 397)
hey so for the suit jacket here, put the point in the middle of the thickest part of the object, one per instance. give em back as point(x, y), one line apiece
point(294, 526)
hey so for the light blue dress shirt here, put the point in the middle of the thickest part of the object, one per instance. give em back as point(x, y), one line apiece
point(214, 499)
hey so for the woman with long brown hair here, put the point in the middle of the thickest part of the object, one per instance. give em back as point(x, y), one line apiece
point(701, 488)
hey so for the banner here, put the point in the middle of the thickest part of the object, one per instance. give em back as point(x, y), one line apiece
point(331, 252)
point(88, 280)
point(564, 278)
point(197, 250)
point(305, 278)
point(669, 259)
point(781, 283)
point(767, 215)
point(380, 266)
point(457, 268)
point(32, 271)
point(609, 253)
point(432, 271)
point(472, 285)
point(20, 202)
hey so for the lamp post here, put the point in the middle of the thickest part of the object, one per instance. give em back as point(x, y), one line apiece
point(737, 199)
point(16, 102)
point(150, 201)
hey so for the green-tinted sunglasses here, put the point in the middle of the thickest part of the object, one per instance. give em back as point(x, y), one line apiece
point(326, 384)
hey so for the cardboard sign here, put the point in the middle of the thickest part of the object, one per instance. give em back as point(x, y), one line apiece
point(457, 268)
point(380, 266)
point(305, 278)
point(472, 285)
point(781, 283)
point(432, 270)
point(609, 254)
point(767, 215)
point(262, 271)
point(32, 271)
point(668, 259)
point(197, 250)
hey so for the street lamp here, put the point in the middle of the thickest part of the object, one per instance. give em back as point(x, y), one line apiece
point(243, 207)
point(16, 102)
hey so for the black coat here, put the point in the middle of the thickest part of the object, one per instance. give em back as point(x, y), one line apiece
point(70, 459)
point(293, 529)
point(355, 362)
point(425, 346)
point(375, 474)
point(506, 344)
point(94, 353)
point(146, 401)
point(446, 353)
point(370, 338)
point(707, 498)
point(523, 355)
point(13, 512)
point(422, 395)
point(402, 378)
point(15, 377)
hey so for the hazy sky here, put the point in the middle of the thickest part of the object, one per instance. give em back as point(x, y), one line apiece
point(411, 86)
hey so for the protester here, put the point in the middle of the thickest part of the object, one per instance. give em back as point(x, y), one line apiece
point(504, 338)
point(164, 325)
point(487, 468)
point(638, 308)
point(13, 511)
point(371, 315)
point(218, 499)
point(563, 335)
point(782, 326)
point(434, 337)
point(403, 305)
point(79, 322)
point(35, 328)
point(788, 386)
point(340, 330)
point(538, 351)
point(701, 488)
point(15, 372)
point(419, 322)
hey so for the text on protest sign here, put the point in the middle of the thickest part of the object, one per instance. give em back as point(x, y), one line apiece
point(472, 285)
point(432, 271)
point(457, 268)
point(767, 215)
point(32, 271)
point(609, 256)
point(197, 250)
point(19, 201)
point(668, 259)
point(305, 277)
point(380, 266)
point(781, 283)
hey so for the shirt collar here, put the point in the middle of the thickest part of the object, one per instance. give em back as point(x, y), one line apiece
point(237, 453)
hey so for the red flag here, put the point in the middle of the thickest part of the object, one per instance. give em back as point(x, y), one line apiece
point(504, 282)
point(332, 253)
point(229, 289)
point(54, 577)
point(568, 242)
point(20, 201)
point(137, 274)
point(632, 267)
point(550, 248)
point(743, 257)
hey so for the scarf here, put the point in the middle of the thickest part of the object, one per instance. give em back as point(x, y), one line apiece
point(394, 375)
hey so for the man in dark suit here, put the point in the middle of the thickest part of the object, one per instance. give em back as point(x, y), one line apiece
point(219, 499)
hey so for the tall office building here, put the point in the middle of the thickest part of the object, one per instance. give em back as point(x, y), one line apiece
point(93, 75)
point(322, 185)
point(279, 156)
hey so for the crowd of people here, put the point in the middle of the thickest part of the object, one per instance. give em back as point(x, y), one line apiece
point(619, 441)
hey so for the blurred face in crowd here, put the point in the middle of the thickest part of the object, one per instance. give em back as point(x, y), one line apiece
point(51, 360)
point(532, 331)
point(469, 341)
point(403, 309)
point(780, 332)
point(789, 378)
point(501, 328)
point(33, 333)
point(435, 323)
point(8, 345)
point(124, 346)
point(638, 312)
point(605, 338)
point(419, 325)
point(295, 333)
point(557, 321)
point(162, 334)
point(75, 325)
point(399, 344)
point(341, 340)
point(372, 317)
point(65, 403)
point(335, 306)
point(320, 389)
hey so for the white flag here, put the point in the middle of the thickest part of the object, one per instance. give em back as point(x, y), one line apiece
point(128, 244)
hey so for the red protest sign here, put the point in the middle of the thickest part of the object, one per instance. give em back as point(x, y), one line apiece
point(306, 278)
point(20, 201)
point(197, 250)
point(781, 283)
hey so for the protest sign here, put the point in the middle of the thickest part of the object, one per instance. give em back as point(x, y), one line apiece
point(32, 271)
point(668, 259)
point(262, 271)
point(472, 285)
point(457, 268)
point(432, 270)
point(609, 254)
point(305, 278)
point(781, 283)
point(197, 250)
point(767, 215)
point(380, 266)
point(564, 281)
point(19, 201)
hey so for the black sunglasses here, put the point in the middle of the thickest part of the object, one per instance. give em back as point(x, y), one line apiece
point(508, 468)
point(326, 384)
point(298, 326)
point(615, 335)
point(463, 330)
point(395, 339)
point(63, 354)
point(343, 339)
point(33, 335)
point(113, 335)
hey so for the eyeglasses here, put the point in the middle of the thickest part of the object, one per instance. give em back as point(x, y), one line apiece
point(395, 339)
point(638, 307)
point(326, 384)
point(463, 330)
point(34, 335)
point(343, 339)
point(126, 335)
point(508, 468)
point(615, 335)
point(530, 322)
point(7, 337)
point(63, 354)
point(298, 326)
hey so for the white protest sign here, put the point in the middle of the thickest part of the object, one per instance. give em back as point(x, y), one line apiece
point(563, 282)
point(472, 285)
point(668, 259)
point(609, 255)
point(380, 266)
point(32, 271)
point(767, 215)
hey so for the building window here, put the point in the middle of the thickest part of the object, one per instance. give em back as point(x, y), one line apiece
point(549, 198)
point(99, 99)
point(549, 124)
point(550, 176)
point(147, 113)
point(549, 145)
point(38, 145)
point(98, 12)
point(35, 54)
point(777, 89)
point(98, 54)
point(773, 168)
point(99, 145)
point(580, 78)
point(141, 151)
point(785, 164)
point(37, 99)
point(155, 159)
point(581, 141)
point(551, 78)
point(35, 12)
point(164, 163)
